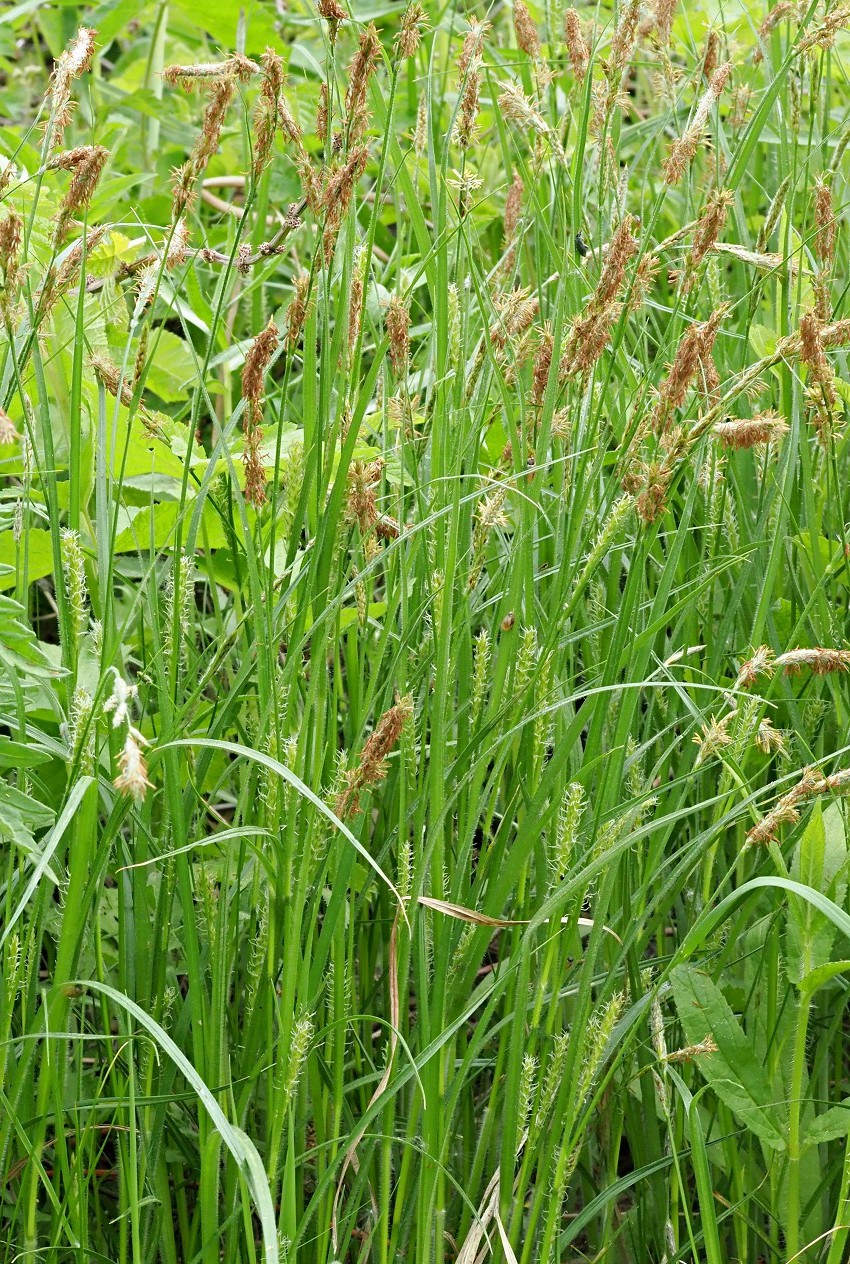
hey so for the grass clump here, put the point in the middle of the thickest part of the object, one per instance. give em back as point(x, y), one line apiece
point(423, 611)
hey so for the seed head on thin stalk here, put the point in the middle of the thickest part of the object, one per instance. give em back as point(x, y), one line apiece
point(820, 389)
point(693, 350)
point(542, 366)
point(8, 433)
point(490, 515)
point(469, 65)
point(338, 193)
point(11, 228)
point(664, 12)
point(782, 11)
point(410, 31)
point(74, 574)
point(267, 110)
point(372, 765)
point(334, 14)
point(591, 332)
point(237, 67)
point(253, 379)
point(221, 93)
point(527, 38)
point(398, 331)
point(60, 279)
point(565, 841)
point(820, 661)
point(86, 162)
point(711, 54)
point(751, 432)
point(355, 301)
point(577, 48)
point(296, 313)
point(359, 73)
point(683, 150)
point(709, 226)
point(823, 36)
point(73, 62)
point(825, 234)
point(520, 109)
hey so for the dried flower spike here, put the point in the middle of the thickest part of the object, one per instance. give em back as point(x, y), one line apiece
point(398, 332)
point(253, 376)
point(73, 62)
point(527, 38)
point(751, 432)
point(372, 766)
point(683, 150)
point(577, 49)
point(410, 32)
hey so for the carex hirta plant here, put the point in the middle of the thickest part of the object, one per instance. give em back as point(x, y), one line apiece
point(424, 653)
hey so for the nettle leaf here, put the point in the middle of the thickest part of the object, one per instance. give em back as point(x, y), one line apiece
point(734, 1072)
point(819, 862)
point(833, 1123)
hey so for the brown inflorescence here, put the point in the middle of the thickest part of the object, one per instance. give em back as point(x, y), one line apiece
point(253, 379)
point(683, 150)
point(577, 48)
point(73, 62)
point(372, 766)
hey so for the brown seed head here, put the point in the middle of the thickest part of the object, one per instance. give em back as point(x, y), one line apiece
point(8, 433)
point(266, 110)
point(297, 310)
point(819, 660)
point(542, 365)
point(73, 62)
point(86, 163)
point(751, 432)
point(577, 48)
point(398, 332)
point(256, 364)
point(372, 767)
point(825, 224)
point(710, 54)
point(334, 14)
point(708, 229)
point(221, 94)
point(106, 371)
point(410, 32)
point(761, 664)
point(527, 38)
point(664, 12)
point(359, 72)
point(622, 248)
point(683, 150)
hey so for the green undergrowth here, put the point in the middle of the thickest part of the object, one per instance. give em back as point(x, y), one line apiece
point(423, 621)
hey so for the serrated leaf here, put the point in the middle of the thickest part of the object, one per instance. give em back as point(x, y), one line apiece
point(734, 1072)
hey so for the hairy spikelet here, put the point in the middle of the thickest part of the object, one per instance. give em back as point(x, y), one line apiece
point(73, 62)
point(372, 765)
point(527, 38)
point(683, 150)
point(577, 48)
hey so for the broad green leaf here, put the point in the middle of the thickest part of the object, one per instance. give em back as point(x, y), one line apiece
point(819, 862)
point(20, 649)
point(21, 754)
point(833, 1123)
point(172, 367)
point(734, 1071)
point(139, 525)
